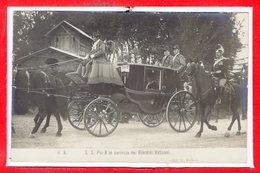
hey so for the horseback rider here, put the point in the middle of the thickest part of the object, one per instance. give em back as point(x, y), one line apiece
point(219, 71)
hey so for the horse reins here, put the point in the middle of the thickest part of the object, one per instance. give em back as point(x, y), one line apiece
point(198, 88)
point(39, 90)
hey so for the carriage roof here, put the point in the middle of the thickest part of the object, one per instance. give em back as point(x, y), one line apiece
point(145, 65)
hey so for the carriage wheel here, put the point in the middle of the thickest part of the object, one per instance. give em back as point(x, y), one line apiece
point(101, 117)
point(181, 111)
point(152, 120)
point(75, 113)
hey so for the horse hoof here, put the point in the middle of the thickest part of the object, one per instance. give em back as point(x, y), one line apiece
point(58, 134)
point(238, 133)
point(198, 135)
point(214, 128)
point(227, 134)
point(31, 135)
point(43, 130)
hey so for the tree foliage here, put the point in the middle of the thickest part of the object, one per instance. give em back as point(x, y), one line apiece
point(144, 33)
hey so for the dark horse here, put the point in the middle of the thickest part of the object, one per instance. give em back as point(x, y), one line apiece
point(43, 91)
point(203, 90)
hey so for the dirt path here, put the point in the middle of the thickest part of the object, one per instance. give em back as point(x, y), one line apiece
point(131, 135)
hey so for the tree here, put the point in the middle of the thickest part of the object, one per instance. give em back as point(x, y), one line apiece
point(144, 33)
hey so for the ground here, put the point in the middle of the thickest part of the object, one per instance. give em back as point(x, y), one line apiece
point(128, 135)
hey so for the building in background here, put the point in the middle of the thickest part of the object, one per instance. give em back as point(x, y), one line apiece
point(67, 43)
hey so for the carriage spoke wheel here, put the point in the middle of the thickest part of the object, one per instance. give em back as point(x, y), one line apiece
point(101, 117)
point(181, 111)
point(75, 113)
point(152, 120)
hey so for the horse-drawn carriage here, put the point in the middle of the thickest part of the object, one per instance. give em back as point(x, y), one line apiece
point(150, 91)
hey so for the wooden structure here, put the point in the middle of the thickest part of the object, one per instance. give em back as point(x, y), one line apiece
point(66, 43)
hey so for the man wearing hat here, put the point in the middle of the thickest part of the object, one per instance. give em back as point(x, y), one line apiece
point(178, 61)
point(52, 72)
point(220, 68)
point(167, 58)
point(52, 64)
point(178, 64)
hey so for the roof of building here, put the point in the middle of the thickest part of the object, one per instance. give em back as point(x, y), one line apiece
point(71, 26)
point(74, 56)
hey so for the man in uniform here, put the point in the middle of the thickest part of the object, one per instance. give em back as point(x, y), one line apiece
point(220, 69)
point(178, 63)
point(167, 58)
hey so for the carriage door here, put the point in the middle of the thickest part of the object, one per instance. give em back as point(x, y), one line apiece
point(169, 81)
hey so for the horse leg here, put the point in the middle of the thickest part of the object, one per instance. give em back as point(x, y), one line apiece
point(238, 119)
point(36, 118)
point(202, 111)
point(207, 113)
point(46, 124)
point(235, 116)
point(217, 116)
point(227, 134)
point(57, 115)
point(238, 125)
point(36, 127)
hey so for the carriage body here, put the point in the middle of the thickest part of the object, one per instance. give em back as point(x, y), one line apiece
point(141, 95)
point(149, 91)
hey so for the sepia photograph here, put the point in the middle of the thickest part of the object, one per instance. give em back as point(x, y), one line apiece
point(129, 87)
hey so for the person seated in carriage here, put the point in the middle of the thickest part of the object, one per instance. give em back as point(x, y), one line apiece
point(97, 70)
point(151, 81)
point(220, 72)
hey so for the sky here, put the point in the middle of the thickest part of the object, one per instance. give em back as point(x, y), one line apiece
point(243, 22)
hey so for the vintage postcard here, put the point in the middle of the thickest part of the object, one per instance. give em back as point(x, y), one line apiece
point(130, 87)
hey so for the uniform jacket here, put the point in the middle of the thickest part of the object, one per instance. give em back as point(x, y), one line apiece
point(166, 62)
point(220, 67)
point(177, 61)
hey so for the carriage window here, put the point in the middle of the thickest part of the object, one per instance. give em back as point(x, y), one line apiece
point(152, 78)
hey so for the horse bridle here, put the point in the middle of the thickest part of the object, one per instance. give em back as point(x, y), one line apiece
point(194, 73)
point(28, 89)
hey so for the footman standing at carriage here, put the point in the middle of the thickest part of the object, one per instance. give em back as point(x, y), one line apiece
point(167, 58)
point(103, 74)
point(220, 69)
point(178, 63)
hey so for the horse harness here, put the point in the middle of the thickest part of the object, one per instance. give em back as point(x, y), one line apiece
point(48, 84)
point(227, 87)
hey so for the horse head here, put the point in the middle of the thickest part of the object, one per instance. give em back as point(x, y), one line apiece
point(192, 69)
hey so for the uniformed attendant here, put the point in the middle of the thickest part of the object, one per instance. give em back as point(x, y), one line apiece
point(52, 66)
point(178, 61)
point(167, 58)
point(220, 69)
